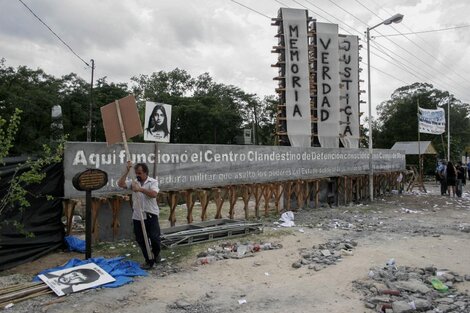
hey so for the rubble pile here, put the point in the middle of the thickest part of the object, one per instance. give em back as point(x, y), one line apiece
point(234, 251)
point(326, 254)
point(408, 289)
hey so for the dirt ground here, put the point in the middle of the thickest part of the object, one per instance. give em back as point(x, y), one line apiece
point(416, 229)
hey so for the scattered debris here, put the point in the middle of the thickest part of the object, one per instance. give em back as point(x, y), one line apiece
point(406, 289)
point(326, 254)
point(233, 251)
point(287, 219)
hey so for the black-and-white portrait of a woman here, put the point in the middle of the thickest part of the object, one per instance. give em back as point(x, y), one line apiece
point(158, 122)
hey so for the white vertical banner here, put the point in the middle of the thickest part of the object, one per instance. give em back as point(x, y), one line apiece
point(298, 116)
point(157, 124)
point(328, 85)
point(349, 91)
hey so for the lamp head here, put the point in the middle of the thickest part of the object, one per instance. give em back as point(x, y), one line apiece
point(397, 18)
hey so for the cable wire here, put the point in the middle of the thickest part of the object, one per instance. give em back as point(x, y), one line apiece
point(282, 3)
point(50, 29)
point(399, 46)
point(251, 9)
point(425, 31)
point(439, 61)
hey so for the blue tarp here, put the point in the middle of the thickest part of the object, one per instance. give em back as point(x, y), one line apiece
point(119, 268)
point(75, 244)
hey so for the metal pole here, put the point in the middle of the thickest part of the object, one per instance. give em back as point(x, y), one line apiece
point(88, 225)
point(419, 142)
point(371, 170)
point(88, 129)
point(448, 130)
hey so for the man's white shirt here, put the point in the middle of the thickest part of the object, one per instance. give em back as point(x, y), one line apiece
point(146, 203)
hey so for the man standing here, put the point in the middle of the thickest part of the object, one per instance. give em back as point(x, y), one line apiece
point(144, 196)
point(442, 174)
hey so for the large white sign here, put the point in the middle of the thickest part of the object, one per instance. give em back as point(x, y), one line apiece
point(157, 123)
point(328, 108)
point(349, 100)
point(191, 166)
point(298, 116)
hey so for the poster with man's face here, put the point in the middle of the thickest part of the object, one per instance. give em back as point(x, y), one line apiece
point(157, 123)
point(77, 278)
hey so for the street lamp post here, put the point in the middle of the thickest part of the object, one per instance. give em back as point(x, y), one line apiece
point(397, 18)
point(448, 130)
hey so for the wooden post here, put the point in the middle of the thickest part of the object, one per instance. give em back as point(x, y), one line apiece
point(219, 201)
point(267, 196)
point(69, 207)
point(115, 205)
point(288, 195)
point(189, 205)
point(257, 191)
point(138, 204)
point(172, 202)
point(277, 191)
point(246, 199)
point(203, 198)
point(232, 200)
point(317, 193)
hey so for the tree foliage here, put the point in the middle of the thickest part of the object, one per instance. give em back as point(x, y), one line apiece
point(29, 173)
point(203, 111)
point(397, 119)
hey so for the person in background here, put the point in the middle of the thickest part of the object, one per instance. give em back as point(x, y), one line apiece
point(144, 197)
point(441, 176)
point(451, 178)
point(468, 169)
point(460, 179)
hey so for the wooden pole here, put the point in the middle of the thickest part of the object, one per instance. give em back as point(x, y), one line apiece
point(136, 202)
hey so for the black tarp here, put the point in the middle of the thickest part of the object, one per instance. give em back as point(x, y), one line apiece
point(42, 219)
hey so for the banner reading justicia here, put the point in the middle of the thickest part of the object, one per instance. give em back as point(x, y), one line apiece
point(432, 121)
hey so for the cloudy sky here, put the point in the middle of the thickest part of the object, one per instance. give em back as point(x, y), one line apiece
point(232, 40)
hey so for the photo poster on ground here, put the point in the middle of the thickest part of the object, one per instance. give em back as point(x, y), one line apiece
point(157, 124)
point(77, 278)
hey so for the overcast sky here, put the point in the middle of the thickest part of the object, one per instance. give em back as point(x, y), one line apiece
point(233, 43)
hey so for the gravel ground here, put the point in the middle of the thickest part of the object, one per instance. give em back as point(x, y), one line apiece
point(332, 249)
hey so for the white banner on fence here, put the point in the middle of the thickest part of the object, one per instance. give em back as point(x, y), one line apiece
point(349, 100)
point(328, 85)
point(191, 166)
point(298, 119)
point(432, 121)
point(157, 122)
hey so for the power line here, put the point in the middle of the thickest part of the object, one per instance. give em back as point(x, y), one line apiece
point(425, 31)
point(385, 73)
point(397, 62)
point(249, 9)
point(424, 41)
point(50, 29)
point(282, 3)
point(399, 46)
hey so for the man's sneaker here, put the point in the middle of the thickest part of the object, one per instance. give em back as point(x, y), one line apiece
point(146, 266)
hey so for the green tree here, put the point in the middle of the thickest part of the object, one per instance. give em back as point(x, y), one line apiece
point(34, 93)
point(397, 119)
point(203, 111)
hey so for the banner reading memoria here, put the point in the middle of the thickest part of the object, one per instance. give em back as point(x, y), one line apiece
point(298, 116)
point(190, 166)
